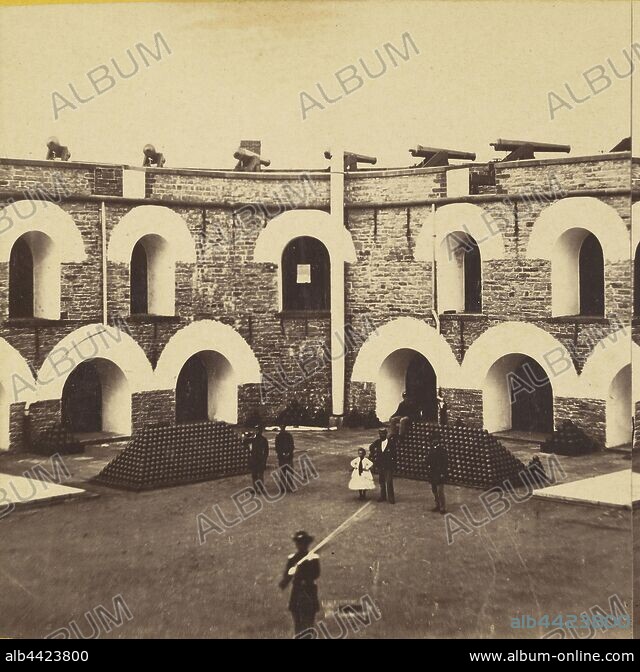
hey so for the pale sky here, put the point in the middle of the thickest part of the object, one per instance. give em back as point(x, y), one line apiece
point(236, 71)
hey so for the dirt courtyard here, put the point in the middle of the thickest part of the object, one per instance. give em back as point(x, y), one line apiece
point(62, 561)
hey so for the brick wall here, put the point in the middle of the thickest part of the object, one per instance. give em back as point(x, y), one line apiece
point(383, 283)
point(465, 405)
point(588, 414)
point(394, 185)
point(152, 408)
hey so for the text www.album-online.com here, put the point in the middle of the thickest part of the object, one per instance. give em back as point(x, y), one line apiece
point(541, 657)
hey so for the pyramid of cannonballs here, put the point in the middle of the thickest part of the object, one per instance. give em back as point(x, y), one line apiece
point(56, 440)
point(475, 457)
point(569, 440)
point(167, 455)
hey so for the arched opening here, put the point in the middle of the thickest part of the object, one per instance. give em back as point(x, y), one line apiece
point(472, 278)
point(152, 277)
point(4, 418)
point(192, 392)
point(619, 409)
point(34, 277)
point(517, 396)
point(591, 265)
point(636, 282)
point(306, 275)
point(138, 281)
point(410, 371)
point(577, 274)
point(206, 389)
point(21, 279)
point(96, 398)
point(459, 274)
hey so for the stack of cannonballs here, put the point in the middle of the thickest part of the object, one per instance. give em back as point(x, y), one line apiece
point(56, 440)
point(176, 454)
point(475, 457)
point(569, 440)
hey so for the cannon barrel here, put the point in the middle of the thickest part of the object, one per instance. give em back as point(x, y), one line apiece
point(361, 158)
point(427, 152)
point(243, 154)
point(352, 156)
point(502, 145)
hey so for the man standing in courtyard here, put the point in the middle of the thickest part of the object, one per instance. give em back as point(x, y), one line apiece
point(258, 455)
point(284, 451)
point(437, 468)
point(302, 568)
point(382, 452)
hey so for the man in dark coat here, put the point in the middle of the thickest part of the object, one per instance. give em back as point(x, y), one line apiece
point(258, 455)
point(284, 451)
point(302, 568)
point(382, 452)
point(407, 412)
point(437, 464)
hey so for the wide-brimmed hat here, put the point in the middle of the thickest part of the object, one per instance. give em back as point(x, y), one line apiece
point(301, 535)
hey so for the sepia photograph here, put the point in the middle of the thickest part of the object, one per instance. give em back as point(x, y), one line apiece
point(318, 320)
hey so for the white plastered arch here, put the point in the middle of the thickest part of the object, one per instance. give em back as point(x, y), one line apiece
point(146, 220)
point(460, 218)
point(608, 357)
point(229, 360)
point(403, 334)
point(635, 227)
point(47, 218)
point(318, 224)
point(53, 239)
point(16, 385)
point(520, 338)
point(581, 212)
point(201, 336)
point(95, 341)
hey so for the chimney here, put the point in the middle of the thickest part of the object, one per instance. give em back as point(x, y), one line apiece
point(254, 146)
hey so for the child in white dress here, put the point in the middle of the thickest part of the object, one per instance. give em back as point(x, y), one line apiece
point(361, 477)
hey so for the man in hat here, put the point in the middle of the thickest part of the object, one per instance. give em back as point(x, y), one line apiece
point(284, 451)
point(437, 467)
point(382, 452)
point(302, 568)
point(258, 455)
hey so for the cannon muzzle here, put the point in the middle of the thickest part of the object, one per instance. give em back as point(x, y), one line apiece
point(502, 145)
point(249, 161)
point(428, 152)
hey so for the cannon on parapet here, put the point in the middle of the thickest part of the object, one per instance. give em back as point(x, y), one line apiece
point(248, 161)
point(526, 149)
point(437, 156)
point(623, 146)
point(57, 151)
point(351, 160)
point(152, 157)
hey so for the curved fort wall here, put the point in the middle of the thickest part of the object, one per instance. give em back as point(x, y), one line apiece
point(399, 222)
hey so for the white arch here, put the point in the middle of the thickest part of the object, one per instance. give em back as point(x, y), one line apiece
point(581, 212)
point(151, 219)
point(522, 338)
point(635, 227)
point(47, 218)
point(282, 229)
point(412, 334)
point(460, 218)
point(16, 385)
point(206, 335)
point(229, 359)
point(402, 334)
point(91, 342)
point(619, 409)
point(609, 356)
